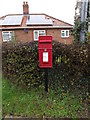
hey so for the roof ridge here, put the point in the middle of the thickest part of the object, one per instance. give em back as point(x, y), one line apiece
point(21, 14)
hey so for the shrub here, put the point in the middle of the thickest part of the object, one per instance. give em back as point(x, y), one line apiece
point(20, 63)
point(80, 26)
point(70, 65)
point(70, 68)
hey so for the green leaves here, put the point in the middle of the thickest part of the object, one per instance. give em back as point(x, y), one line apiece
point(20, 64)
point(70, 66)
point(79, 26)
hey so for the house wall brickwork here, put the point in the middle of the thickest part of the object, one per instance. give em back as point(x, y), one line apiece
point(22, 36)
point(56, 34)
point(0, 36)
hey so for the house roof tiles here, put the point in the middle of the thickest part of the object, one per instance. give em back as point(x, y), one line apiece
point(46, 22)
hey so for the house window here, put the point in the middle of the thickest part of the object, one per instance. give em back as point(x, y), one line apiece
point(37, 33)
point(64, 33)
point(8, 35)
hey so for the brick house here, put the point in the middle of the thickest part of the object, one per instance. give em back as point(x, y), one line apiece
point(27, 27)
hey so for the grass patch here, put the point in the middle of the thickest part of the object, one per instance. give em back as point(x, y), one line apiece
point(36, 102)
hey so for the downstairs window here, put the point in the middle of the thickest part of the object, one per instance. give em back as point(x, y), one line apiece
point(37, 33)
point(8, 36)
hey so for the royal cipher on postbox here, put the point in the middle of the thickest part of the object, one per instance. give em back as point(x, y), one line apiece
point(45, 51)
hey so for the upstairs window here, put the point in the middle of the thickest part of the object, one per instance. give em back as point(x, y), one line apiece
point(8, 36)
point(37, 33)
point(64, 33)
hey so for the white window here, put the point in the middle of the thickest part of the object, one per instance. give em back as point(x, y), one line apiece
point(8, 35)
point(37, 33)
point(64, 33)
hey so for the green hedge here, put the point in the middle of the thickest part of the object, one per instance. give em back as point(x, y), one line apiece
point(70, 65)
point(20, 64)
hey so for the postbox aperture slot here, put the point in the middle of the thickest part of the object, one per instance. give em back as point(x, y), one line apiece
point(45, 41)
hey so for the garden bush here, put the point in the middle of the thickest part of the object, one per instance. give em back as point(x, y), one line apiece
point(20, 64)
point(70, 66)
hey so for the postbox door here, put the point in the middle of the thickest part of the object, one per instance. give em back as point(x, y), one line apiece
point(45, 58)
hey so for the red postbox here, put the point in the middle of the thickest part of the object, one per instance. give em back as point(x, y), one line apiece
point(45, 51)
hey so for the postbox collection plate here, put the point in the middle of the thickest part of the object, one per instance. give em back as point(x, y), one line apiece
point(45, 56)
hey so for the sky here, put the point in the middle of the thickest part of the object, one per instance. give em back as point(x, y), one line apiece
point(60, 9)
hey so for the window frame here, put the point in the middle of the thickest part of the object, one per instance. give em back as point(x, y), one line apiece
point(9, 34)
point(39, 32)
point(64, 32)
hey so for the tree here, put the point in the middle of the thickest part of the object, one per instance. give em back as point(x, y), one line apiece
point(79, 26)
point(80, 30)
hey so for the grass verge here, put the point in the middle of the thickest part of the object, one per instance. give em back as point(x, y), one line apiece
point(36, 102)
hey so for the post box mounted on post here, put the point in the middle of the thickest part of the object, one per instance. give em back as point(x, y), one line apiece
point(45, 56)
point(45, 51)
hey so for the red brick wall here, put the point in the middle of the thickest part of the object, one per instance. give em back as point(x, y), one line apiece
point(56, 34)
point(0, 36)
point(21, 36)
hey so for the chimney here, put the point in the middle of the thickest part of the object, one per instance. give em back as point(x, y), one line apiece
point(25, 8)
